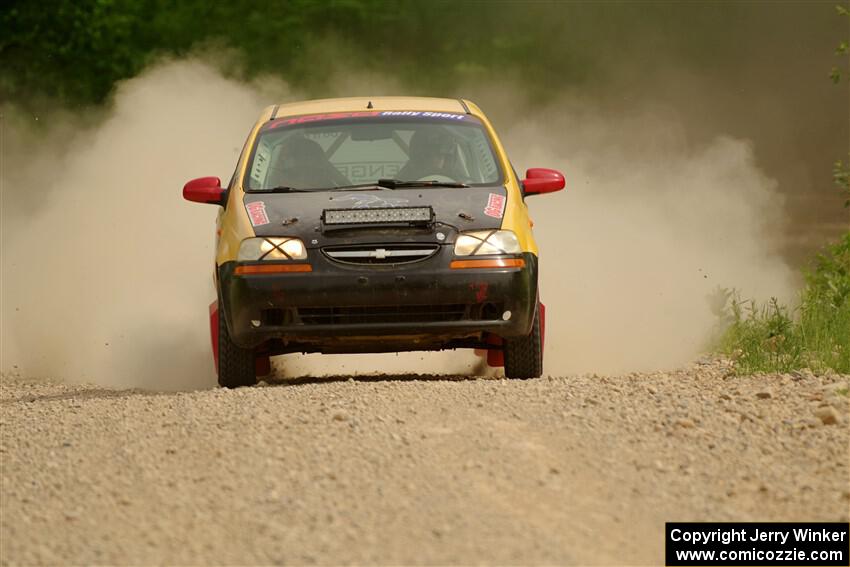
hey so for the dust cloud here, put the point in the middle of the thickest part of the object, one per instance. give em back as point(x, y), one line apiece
point(650, 228)
point(106, 271)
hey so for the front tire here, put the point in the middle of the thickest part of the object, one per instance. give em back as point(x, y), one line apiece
point(524, 355)
point(235, 364)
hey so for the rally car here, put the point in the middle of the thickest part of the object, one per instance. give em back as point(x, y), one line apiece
point(365, 225)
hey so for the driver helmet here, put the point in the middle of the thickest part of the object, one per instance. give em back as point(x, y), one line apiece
point(432, 145)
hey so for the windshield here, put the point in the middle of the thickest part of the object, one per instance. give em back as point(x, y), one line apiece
point(345, 149)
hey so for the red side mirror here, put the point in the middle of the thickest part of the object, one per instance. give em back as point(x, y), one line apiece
point(541, 180)
point(204, 190)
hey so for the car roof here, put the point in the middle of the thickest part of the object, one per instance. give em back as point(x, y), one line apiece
point(363, 103)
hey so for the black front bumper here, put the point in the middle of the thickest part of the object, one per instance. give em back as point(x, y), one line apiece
point(340, 307)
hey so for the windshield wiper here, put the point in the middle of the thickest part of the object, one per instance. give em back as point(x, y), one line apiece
point(397, 184)
point(280, 189)
point(380, 184)
point(356, 187)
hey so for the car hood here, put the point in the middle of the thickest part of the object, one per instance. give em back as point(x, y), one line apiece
point(300, 214)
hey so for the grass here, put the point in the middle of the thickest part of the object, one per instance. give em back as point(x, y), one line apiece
point(815, 334)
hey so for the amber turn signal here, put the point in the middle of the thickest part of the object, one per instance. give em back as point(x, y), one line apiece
point(271, 269)
point(488, 263)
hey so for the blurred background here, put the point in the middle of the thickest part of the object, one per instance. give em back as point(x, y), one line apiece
point(753, 70)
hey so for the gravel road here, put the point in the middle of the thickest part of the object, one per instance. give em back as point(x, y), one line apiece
point(414, 469)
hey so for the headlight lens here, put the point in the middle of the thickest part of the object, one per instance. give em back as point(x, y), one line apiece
point(272, 248)
point(479, 242)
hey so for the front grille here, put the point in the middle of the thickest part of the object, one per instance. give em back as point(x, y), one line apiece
point(380, 254)
point(382, 314)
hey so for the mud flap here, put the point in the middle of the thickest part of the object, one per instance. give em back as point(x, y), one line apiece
point(262, 365)
point(214, 332)
point(495, 355)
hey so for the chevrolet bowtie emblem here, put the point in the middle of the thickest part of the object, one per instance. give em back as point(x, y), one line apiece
point(380, 253)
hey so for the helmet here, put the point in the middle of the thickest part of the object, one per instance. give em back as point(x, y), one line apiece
point(430, 143)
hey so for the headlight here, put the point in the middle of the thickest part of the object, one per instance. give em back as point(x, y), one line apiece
point(272, 248)
point(478, 242)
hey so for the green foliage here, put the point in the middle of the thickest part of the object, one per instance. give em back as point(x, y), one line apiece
point(73, 51)
point(840, 171)
point(829, 280)
point(815, 334)
point(842, 49)
point(841, 175)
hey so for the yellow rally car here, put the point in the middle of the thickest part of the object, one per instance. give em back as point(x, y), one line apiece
point(382, 224)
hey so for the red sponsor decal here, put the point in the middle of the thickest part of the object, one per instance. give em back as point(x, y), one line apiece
point(257, 213)
point(317, 117)
point(495, 206)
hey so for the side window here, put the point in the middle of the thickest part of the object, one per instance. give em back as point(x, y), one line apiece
point(242, 155)
point(484, 157)
point(260, 167)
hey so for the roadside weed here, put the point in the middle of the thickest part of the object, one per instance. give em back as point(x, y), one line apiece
point(814, 334)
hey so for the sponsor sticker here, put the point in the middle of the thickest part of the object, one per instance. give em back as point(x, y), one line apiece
point(495, 206)
point(294, 120)
point(319, 117)
point(257, 213)
point(426, 114)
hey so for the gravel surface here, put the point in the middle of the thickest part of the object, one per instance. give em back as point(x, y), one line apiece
point(414, 469)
